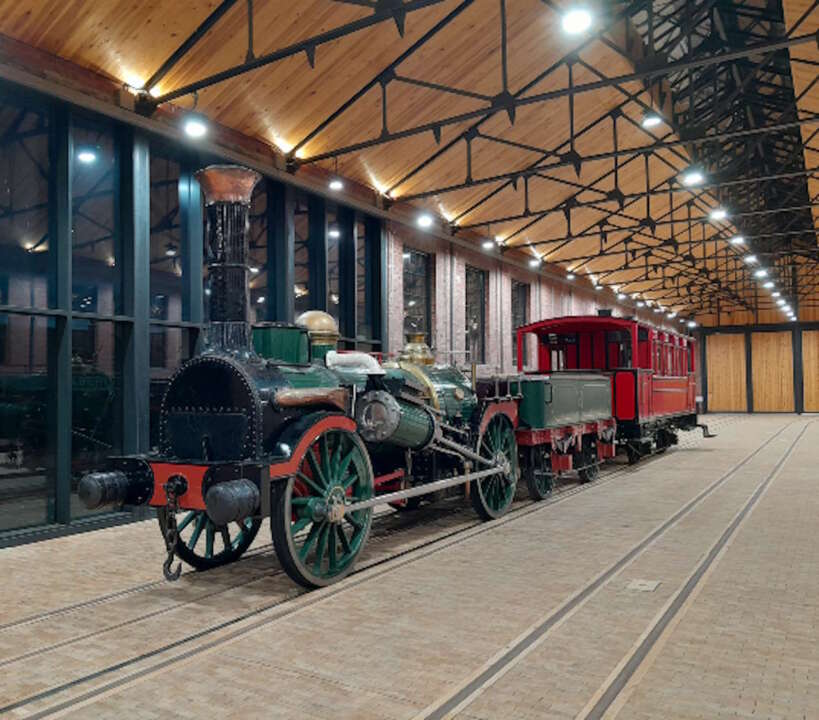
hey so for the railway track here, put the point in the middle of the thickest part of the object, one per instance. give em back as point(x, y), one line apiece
point(457, 519)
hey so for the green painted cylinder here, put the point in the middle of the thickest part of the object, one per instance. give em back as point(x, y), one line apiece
point(382, 418)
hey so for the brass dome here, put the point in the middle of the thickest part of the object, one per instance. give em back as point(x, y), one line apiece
point(321, 326)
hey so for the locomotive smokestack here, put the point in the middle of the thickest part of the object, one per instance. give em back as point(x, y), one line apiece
point(227, 190)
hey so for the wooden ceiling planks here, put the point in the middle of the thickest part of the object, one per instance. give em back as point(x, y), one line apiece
point(805, 70)
point(279, 104)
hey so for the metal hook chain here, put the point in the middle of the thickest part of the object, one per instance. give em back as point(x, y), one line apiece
point(171, 530)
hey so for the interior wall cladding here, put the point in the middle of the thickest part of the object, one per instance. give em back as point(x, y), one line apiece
point(547, 298)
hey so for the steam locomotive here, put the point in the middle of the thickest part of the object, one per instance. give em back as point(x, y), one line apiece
point(280, 424)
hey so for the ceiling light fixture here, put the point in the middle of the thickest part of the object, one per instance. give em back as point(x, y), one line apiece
point(621, 296)
point(254, 270)
point(651, 119)
point(761, 273)
point(737, 240)
point(768, 285)
point(576, 21)
point(424, 221)
point(195, 127)
point(776, 294)
point(718, 214)
point(335, 185)
point(640, 303)
point(488, 245)
point(570, 276)
point(692, 324)
point(780, 302)
point(750, 259)
point(692, 177)
point(334, 233)
point(535, 261)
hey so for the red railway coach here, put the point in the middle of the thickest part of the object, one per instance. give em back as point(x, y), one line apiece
point(652, 373)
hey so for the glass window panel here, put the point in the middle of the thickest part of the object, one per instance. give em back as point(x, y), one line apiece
point(24, 205)
point(170, 347)
point(475, 315)
point(302, 257)
point(166, 239)
point(363, 294)
point(26, 455)
point(259, 277)
point(333, 269)
point(96, 400)
point(520, 316)
point(418, 278)
point(94, 223)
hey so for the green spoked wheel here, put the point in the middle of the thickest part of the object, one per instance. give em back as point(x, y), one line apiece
point(315, 543)
point(204, 545)
point(492, 496)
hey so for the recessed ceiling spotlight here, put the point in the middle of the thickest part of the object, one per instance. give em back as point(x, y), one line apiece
point(651, 119)
point(576, 21)
point(692, 177)
point(761, 273)
point(488, 245)
point(750, 259)
point(424, 221)
point(87, 156)
point(195, 127)
point(768, 285)
point(718, 214)
point(737, 240)
point(335, 185)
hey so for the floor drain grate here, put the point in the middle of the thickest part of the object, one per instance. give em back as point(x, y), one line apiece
point(643, 585)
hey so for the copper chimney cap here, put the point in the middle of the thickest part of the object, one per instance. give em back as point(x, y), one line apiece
point(227, 183)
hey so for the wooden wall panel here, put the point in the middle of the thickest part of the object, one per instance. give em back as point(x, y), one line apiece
point(772, 371)
point(810, 368)
point(725, 358)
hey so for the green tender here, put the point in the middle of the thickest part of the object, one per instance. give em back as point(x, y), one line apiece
point(564, 399)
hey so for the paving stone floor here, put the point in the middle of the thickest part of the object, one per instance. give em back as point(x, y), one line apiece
point(687, 588)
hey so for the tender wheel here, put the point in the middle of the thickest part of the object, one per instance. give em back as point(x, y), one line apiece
point(204, 545)
point(492, 496)
point(314, 544)
point(588, 458)
point(538, 475)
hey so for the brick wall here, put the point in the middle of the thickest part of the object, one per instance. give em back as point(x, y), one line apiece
point(547, 298)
